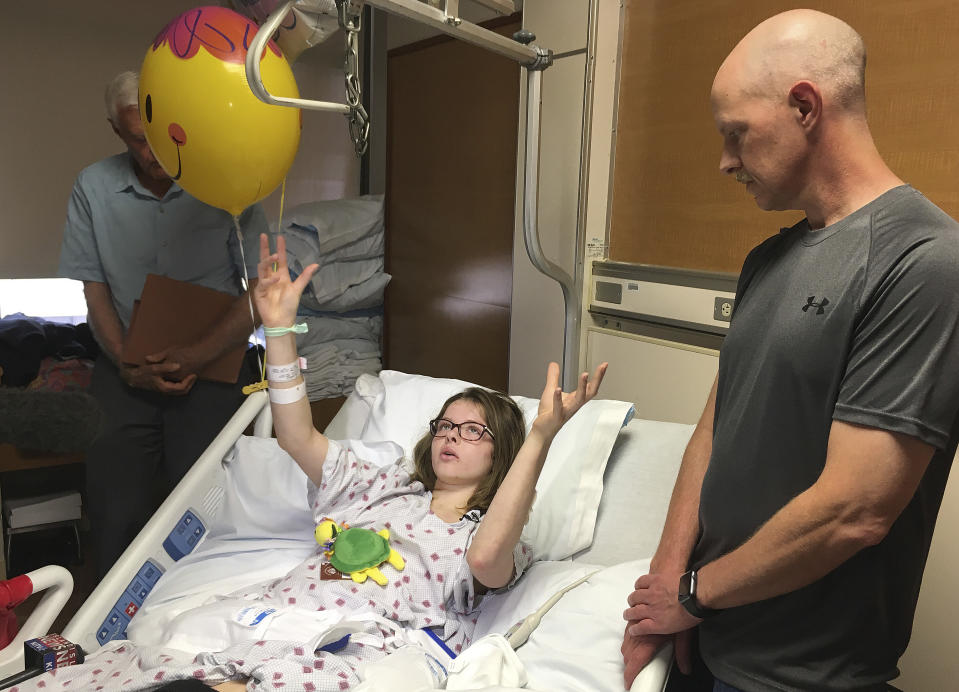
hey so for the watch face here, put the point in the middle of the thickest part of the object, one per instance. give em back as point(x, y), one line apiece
point(687, 596)
point(685, 586)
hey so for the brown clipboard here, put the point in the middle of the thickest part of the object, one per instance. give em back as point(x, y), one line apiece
point(173, 313)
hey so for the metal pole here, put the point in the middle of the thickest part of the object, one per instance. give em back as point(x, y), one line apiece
point(368, 38)
point(571, 299)
point(257, 46)
point(528, 56)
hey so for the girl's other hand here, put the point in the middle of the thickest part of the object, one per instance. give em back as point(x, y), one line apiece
point(556, 406)
point(277, 298)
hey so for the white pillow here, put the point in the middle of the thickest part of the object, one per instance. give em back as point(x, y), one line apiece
point(350, 421)
point(265, 493)
point(500, 610)
point(262, 529)
point(637, 486)
point(569, 489)
point(576, 647)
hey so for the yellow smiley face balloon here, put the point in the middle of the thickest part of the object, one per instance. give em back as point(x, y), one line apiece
point(205, 127)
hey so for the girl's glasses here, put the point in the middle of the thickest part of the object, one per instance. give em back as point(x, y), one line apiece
point(471, 431)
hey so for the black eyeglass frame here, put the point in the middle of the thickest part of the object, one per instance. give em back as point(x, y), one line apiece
point(486, 430)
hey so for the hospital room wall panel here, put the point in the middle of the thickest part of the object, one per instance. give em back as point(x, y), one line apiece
point(441, 335)
point(666, 380)
point(450, 207)
point(671, 206)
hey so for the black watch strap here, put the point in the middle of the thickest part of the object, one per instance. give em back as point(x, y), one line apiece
point(687, 596)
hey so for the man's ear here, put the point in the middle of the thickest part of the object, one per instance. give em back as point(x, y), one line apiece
point(113, 125)
point(806, 98)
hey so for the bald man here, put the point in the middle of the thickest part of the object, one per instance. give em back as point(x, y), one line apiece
point(802, 515)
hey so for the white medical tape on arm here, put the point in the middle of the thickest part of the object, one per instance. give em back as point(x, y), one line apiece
point(288, 396)
point(283, 373)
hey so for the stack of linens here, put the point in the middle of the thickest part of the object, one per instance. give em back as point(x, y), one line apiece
point(343, 305)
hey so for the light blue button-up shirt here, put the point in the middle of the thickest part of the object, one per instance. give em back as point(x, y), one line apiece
point(117, 232)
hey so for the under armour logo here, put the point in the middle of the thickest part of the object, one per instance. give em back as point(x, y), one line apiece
point(811, 303)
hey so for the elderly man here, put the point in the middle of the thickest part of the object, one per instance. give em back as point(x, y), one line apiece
point(806, 500)
point(126, 218)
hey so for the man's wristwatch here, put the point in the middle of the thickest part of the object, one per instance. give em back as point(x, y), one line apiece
point(687, 596)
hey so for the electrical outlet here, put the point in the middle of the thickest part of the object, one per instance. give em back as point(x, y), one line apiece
point(723, 309)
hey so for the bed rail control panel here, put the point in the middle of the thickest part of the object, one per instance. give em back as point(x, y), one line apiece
point(115, 626)
point(184, 537)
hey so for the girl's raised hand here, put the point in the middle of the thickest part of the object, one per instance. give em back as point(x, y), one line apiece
point(277, 298)
point(556, 406)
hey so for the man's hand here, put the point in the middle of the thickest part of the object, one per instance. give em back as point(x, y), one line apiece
point(639, 651)
point(184, 362)
point(655, 607)
point(151, 377)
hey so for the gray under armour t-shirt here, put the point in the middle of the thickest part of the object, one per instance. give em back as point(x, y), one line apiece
point(857, 322)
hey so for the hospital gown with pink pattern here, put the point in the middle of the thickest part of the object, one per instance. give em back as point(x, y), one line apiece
point(433, 590)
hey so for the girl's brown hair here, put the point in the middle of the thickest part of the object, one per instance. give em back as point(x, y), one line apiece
point(505, 421)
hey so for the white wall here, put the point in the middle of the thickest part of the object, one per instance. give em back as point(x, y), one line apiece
point(665, 380)
point(930, 662)
point(326, 164)
point(58, 57)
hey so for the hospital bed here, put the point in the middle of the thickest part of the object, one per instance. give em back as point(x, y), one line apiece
point(240, 516)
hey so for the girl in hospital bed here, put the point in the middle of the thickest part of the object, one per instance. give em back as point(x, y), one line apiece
point(454, 522)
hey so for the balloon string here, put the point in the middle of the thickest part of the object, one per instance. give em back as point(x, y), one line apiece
point(279, 223)
point(250, 388)
point(262, 384)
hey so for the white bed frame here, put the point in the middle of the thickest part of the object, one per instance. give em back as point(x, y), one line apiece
point(201, 491)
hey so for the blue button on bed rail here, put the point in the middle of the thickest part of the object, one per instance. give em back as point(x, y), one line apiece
point(185, 536)
point(115, 624)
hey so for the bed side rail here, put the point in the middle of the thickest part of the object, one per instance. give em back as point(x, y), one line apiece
point(175, 530)
point(58, 584)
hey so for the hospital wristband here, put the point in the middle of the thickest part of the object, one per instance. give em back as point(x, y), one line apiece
point(284, 373)
point(300, 328)
point(288, 396)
